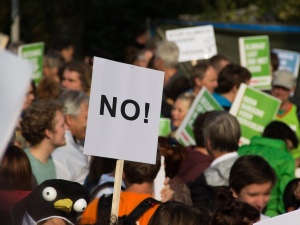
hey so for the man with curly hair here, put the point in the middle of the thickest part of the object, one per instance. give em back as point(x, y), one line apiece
point(43, 126)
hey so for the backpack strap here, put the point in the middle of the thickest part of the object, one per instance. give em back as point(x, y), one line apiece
point(104, 208)
point(140, 210)
point(105, 203)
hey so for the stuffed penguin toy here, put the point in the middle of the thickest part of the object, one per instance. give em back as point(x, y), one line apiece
point(52, 199)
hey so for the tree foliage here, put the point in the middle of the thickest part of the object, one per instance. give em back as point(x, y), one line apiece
point(111, 24)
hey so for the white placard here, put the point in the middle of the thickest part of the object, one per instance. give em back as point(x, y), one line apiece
point(291, 218)
point(15, 76)
point(194, 42)
point(124, 111)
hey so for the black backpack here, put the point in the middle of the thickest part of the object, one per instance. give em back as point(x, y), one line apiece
point(104, 209)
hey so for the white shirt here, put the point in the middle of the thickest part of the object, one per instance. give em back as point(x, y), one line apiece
point(70, 162)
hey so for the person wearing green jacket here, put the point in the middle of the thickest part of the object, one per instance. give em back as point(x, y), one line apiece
point(274, 145)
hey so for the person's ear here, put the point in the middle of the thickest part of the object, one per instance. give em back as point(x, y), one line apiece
point(69, 119)
point(198, 82)
point(48, 134)
point(207, 143)
point(234, 194)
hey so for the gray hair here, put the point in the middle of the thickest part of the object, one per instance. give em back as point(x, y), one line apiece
point(222, 130)
point(72, 100)
point(168, 52)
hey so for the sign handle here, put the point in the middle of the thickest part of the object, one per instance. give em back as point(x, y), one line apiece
point(117, 188)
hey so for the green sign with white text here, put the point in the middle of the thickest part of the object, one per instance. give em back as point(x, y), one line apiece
point(254, 109)
point(34, 53)
point(203, 102)
point(255, 56)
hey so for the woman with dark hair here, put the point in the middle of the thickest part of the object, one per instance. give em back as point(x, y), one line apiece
point(16, 180)
point(291, 195)
point(251, 180)
point(172, 212)
point(174, 153)
point(274, 145)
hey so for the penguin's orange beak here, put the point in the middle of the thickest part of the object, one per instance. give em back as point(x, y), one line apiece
point(64, 205)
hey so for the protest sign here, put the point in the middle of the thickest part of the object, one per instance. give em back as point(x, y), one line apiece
point(291, 218)
point(164, 127)
point(14, 82)
point(254, 109)
point(288, 60)
point(194, 42)
point(124, 111)
point(34, 53)
point(255, 56)
point(203, 102)
point(3, 40)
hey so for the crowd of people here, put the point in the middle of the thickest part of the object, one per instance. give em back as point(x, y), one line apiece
point(46, 179)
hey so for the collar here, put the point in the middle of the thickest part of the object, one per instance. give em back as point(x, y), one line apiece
point(224, 157)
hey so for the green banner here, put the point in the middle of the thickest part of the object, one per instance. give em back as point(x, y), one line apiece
point(34, 53)
point(203, 102)
point(255, 56)
point(254, 109)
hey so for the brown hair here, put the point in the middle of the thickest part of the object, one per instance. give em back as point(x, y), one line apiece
point(138, 173)
point(174, 154)
point(15, 170)
point(85, 74)
point(230, 76)
point(39, 117)
point(199, 70)
point(250, 169)
point(235, 213)
point(172, 212)
point(48, 88)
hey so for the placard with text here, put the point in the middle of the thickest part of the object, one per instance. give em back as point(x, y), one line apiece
point(124, 111)
point(254, 109)
point(194, 42)
point(34, 53)
point(14, 82)
point(255, 56)
point(203, 102)
point(288, 60)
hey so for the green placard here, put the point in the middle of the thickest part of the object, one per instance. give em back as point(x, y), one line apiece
point(255, 56)
point(34, 53)
point(164, 127)
point(254, 109)
point(203, 102)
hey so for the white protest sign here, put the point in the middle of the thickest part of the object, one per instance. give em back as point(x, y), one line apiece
point(14, 80)
point(291, 218)
point(3, 40)
point(124, 111)
point(194, 42)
